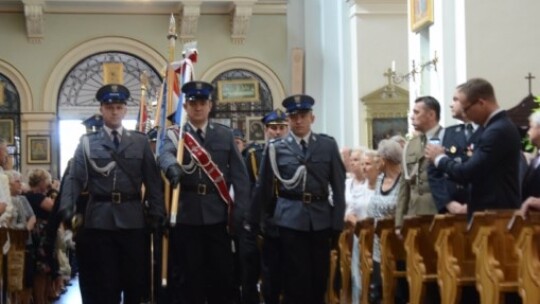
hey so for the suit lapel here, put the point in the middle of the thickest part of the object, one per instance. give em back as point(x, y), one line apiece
point(312, 145)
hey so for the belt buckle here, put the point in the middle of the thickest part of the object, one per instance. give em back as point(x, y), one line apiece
point(201, 189)
point(306, 198)
point(116, 197)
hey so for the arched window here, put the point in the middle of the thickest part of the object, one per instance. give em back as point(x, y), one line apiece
point(76, 96)
point(10, 119)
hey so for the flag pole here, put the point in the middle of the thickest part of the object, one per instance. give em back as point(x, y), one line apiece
point(186, 75)
point(143, 113)
point(170, 81)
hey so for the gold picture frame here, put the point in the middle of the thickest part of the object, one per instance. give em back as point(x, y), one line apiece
point(254, 129)
point(38, 149)
point(238, 90)
point(7, 130)
point(421, 14)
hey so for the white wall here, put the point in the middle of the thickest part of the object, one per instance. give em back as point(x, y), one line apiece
point(503, 46)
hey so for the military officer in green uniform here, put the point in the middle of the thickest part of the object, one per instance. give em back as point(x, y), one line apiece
point(113, 163)
point(414, 197)
point(303, 167)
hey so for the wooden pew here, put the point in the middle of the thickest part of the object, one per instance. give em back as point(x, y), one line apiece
point(527, 235)
point(364, 230)
point(15, 257)
point(345, 253)
point(392, 250)
point(421, 256)
point(455, 260)
point(496, 259)
point(331, 295)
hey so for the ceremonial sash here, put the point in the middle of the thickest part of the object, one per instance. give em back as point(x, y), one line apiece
point(204, 161)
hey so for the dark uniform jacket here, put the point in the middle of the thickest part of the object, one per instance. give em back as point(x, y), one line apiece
point(208, 209)
point(139, 167)
point(531, 183)
point(325, 170)
point(459, 149)
point(493, 169)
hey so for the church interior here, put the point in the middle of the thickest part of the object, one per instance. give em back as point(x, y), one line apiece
point(363, 61)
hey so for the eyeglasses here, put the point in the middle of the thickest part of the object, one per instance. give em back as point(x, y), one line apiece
point(465, 109)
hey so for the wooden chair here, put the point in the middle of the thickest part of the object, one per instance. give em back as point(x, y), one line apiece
point(421, 257)
point(526, 231)
point(365, 230)
point(455, 260)
point(496, 258)
point(331, 295)
point(15, 257)
point(345, 254)
point(392, 251)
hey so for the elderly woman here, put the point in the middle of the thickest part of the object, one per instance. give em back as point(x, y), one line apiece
point(383, 204)
point(39, 181)
point(23, 219)
point(357, 196)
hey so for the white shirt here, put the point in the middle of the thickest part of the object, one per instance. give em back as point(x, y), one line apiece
point(357, 196)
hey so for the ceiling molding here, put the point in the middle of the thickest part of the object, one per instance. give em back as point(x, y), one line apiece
point(153, 7)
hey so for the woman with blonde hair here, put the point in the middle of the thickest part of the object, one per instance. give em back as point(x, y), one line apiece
point(357, 197)
point(39, 181)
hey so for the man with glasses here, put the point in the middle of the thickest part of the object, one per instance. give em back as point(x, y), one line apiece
point(493, 167)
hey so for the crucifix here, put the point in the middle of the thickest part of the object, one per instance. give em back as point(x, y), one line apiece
point(389, 74)
point(530, 77)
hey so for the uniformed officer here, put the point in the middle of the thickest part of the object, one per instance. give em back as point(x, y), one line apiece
point(414, 196)
point(275, 127)
point(74, 217)
point(113, 164)
point(306, 165)
point(459, 141)
point(200, 243)
point(239, 139)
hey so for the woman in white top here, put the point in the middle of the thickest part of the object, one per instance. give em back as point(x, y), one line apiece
point(357, 197)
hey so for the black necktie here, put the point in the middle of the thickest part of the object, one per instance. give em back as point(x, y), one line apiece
point(468, 131)
point(116, 139)
point(304, 146)
point(201, 135)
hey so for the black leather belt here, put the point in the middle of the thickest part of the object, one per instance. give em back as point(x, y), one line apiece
point(116, 197)
point(304, 197)
point(201, 189)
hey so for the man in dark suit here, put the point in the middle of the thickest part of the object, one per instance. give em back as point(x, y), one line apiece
point(459, 141)
point(306, 166)
point(112, 164)
point(493, 168)
point(200, 242)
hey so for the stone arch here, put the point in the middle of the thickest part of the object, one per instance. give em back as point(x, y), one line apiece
point(18, 80)
point(90, 47)
point(271, 79)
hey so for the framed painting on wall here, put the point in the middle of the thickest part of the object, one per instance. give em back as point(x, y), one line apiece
point(421, 14)
point(255, 129)
point(38, 149)
point(384, 128)
point(238, 90)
